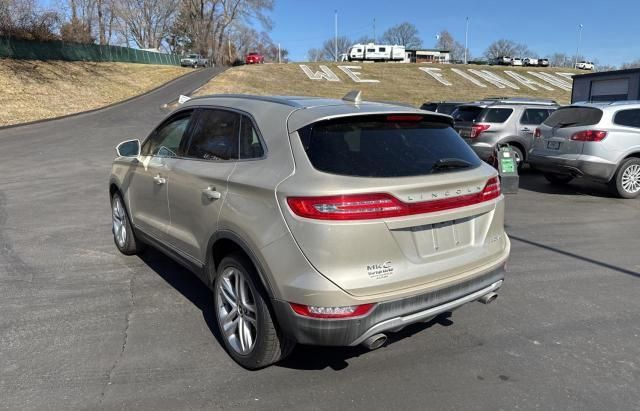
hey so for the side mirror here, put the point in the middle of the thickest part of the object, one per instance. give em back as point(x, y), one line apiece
point(129, 148)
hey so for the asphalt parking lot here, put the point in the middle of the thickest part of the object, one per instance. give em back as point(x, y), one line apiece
point(82, 326)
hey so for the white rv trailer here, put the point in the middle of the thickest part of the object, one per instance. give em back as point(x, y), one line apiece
point(376, 52)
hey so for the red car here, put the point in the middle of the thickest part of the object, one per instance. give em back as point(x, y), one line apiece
point(254, 58)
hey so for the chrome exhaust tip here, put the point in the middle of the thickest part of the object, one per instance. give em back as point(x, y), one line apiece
point(488, 298)
point(375, 341)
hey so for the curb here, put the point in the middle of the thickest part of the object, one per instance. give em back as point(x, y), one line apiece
point(44, 120)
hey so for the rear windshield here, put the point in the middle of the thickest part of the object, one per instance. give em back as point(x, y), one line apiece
point(574, 117)
point(447, 108)
point(429, 106)
point(466, 113)
point(496, 115)
point(386, 146)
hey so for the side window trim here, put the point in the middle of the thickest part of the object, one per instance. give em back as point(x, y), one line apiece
point(197, 112)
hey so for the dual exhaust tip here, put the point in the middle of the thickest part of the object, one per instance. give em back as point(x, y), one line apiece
point(378, 340)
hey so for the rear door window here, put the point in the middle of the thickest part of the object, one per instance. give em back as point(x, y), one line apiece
point(628, 118)
point(574, 117)
point(534, 116)
point(467, 113)
point(385, 146)
point(496, 115)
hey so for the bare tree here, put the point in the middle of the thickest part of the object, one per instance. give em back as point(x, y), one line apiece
point(148, 22)
point(23, 19)
point(500, 48)
point(563, 60)
point(404, 34)
point(329, 47)
point(314, 54)
point(631, 64)
point(608, 67)
point(445, 41)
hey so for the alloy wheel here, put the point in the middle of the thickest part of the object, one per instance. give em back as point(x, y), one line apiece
point(236, 310)
point(119, 222)
point(631, 179)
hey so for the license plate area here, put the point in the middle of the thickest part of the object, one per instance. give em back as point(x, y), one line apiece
point(443, 237)
point(464, 133)
point(553, 145)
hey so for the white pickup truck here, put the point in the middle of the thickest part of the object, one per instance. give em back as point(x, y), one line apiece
point(194, 60)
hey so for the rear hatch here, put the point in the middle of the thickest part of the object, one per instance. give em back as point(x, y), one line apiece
point(485, 123)
point(464, 118)
point(555, 137)
point(380, 203)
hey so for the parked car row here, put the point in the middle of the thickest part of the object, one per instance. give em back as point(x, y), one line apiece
point(517, 61)
point(598, 141)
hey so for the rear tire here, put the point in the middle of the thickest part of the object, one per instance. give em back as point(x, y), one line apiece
point(558, 179)
point(244, 317)
point(626, 182)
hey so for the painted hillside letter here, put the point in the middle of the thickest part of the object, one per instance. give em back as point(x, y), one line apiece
point(494, 79)
point(435, 73)
point(324, 73)
point(355, 75)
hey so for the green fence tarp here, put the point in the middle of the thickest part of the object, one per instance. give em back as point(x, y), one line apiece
point(60, 50)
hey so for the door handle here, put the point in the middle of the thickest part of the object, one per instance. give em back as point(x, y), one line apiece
point(211, 193)
point(159, 180)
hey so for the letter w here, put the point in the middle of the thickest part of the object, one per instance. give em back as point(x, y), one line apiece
point(324, 73)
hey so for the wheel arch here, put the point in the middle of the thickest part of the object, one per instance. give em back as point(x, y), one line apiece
point(225, 242)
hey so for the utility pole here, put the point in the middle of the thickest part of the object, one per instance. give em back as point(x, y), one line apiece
point(374, 29)
point(466, 40)
point(278, 53)
point(580, 26)
point(336, 34)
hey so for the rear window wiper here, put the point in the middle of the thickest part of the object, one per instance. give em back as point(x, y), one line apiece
point(449, 163)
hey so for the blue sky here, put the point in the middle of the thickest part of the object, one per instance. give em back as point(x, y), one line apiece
point(611, 31)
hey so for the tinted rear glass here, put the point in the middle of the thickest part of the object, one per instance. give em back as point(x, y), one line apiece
point(429, 106)
point(446, 108)
point(374, 146)
point(574, 117)
point(496, 115)
point(629, 118)
point(466, 113)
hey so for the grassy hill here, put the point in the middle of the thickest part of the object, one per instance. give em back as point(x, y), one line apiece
point(396, 82)
point(34, 90)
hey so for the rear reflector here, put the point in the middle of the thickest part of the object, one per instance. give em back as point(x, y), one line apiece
point(381, 205)
point(589, 135)
point(349, 311)
point(537, 133)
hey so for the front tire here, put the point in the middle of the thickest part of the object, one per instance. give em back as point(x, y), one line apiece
point(244, 318)
point(123, 235)
point(626, 182)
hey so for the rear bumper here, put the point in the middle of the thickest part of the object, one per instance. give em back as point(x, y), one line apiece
point(575, 165)
point(388, 316)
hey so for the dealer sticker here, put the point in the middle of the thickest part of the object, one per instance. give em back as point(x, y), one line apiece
point(380, 271)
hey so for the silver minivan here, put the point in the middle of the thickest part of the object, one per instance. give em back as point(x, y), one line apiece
point(599, 141)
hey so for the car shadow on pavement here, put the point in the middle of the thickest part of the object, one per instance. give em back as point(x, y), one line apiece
point(185, 282)
point(307, 357)
point(532, 180)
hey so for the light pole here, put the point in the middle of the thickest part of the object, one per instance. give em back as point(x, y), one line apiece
point(466, 39)
point(336, 34)
point(580, 27)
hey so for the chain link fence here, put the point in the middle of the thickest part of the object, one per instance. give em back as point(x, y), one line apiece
point(60, 50)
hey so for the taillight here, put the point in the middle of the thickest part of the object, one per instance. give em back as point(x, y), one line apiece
point(349, 311)
point(589, 135)
point(404, 117)
point(537, 133)
point(478, 129)
point(379, 205)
